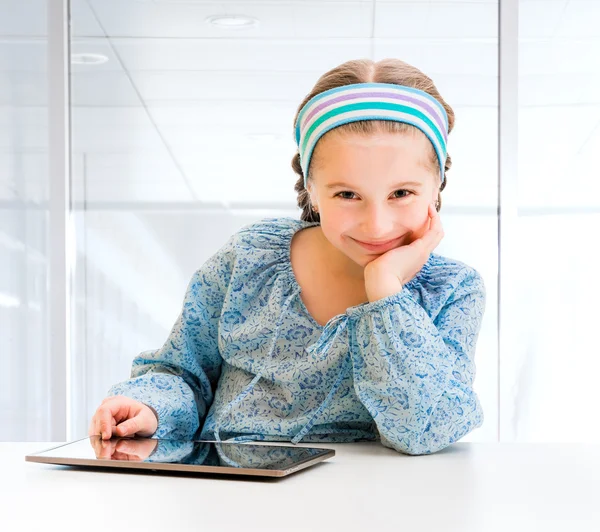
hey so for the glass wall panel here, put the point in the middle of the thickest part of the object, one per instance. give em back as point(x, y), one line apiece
point(548, 389)
point(25, 378)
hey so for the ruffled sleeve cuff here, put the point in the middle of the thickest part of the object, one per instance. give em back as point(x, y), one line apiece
point(366, 308)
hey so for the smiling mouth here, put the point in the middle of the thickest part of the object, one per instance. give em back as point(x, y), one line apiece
point(377, 243)
point(383, 246)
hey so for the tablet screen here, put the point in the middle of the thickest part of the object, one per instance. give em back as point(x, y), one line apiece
point(184, 455)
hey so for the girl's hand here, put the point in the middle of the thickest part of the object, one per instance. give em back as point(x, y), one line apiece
point(387, 274)
point(122, 416)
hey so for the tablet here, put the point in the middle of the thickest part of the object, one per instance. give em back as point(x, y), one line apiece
point(192, 456)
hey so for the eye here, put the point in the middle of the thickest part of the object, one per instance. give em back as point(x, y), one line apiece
point(348, 192)
point(343, 192)
point(403, 190)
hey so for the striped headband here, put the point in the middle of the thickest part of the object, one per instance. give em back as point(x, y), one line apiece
point(371, 101)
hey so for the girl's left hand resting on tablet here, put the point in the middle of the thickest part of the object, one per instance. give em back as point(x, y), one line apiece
point(387, 274)
point(122, 416)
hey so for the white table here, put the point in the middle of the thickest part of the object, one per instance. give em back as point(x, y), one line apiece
point(467, 487)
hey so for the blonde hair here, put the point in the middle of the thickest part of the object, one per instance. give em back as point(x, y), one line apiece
point(368, 71)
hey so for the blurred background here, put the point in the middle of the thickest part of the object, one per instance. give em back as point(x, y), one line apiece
point(180, 118)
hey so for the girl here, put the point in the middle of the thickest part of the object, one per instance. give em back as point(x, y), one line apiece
point(343, 325)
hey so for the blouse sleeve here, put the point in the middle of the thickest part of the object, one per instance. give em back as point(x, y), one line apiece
point(178, 380)
point(414, 374)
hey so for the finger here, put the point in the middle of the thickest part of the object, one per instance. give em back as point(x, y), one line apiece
point(435, 225)
point(430, 240)
point(431, 210)
point(435, 216)
point(112, 413)
point(435, 238)
point(129, 427)
point(105, 422)
point(97, 445)
point(430, 215)
point(121, 430)
point(121, 410)
point(94, 430)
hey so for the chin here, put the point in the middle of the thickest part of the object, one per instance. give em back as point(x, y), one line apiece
point(366, 259)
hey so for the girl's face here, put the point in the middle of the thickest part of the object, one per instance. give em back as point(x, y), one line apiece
point(374, 189)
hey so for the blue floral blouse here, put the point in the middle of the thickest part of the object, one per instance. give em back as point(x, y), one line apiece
point(245, 360)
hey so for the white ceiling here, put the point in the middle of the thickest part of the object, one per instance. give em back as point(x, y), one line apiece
point(186, 112)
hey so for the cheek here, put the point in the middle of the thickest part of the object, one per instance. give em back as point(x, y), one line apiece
point(418, 225)
point(423, 224)
point(335, 228)
point(412, 212)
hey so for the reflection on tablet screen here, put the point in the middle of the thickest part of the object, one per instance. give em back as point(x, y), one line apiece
point(234, 454)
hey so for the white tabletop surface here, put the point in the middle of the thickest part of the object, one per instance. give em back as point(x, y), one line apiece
point(466, 487)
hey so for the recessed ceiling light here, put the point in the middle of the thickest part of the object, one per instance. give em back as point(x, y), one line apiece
point(88, 59)
point(232, 21)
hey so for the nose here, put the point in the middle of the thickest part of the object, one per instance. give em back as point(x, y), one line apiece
point(378, 224)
